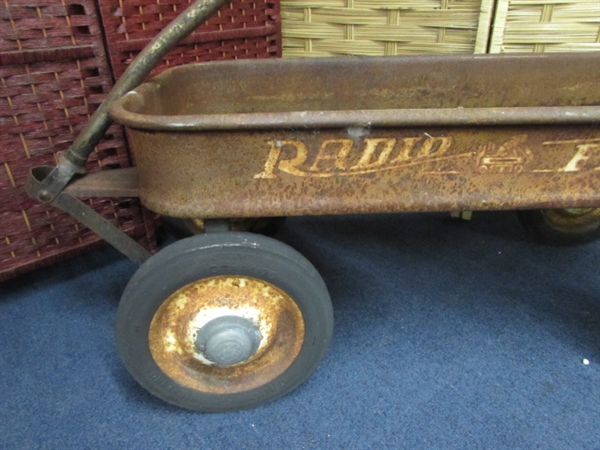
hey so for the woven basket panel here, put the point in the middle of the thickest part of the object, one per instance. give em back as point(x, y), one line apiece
point(53, 75)
point(378, 28)
point(36, 24)
point(527, 26)
point(241, 29)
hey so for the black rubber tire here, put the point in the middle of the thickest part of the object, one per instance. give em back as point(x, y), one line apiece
point(183, 228)
point(210, 255)
point(562, 227)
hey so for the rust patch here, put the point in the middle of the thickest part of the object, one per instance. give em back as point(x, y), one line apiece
point(278, 173)
point(174, 328)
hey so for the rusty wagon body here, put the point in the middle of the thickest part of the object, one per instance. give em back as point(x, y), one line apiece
point(363, 135)
point(231, 320)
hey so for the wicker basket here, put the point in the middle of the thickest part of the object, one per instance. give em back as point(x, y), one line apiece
point(525, 26)
point(384, 27)
point(241, 29)
point(53, 75)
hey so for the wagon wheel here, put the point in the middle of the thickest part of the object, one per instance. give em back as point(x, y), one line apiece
point(182, 228)
point(224, 321)
point(571, 226)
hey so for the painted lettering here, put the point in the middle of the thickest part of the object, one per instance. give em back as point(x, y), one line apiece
point(582, 154)
point(274, 161)
point(433, 145)
point(407, 145)
point(367, 155)
point(350, 157)
point(371, 145)
point(335, 150)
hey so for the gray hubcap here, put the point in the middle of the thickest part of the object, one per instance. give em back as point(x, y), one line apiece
point(228, 340)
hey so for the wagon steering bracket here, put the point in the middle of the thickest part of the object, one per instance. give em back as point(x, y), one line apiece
point(35, 187)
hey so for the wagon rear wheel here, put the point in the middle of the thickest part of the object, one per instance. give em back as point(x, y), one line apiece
point(221, 322)
point(571, 226)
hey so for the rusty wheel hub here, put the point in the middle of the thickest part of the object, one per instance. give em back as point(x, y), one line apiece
point(226, 334)
point(573, 220)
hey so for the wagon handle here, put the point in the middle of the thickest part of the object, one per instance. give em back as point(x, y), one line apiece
point(72, 161)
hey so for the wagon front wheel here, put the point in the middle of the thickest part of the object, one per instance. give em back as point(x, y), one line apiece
point(571, 226)
point(221, 322)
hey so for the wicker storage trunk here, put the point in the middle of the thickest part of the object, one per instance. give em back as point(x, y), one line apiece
point(395, 27)
point(53, 75)
point(242, 29)
point(55, 71)
point(384, 27)
point(525, 26)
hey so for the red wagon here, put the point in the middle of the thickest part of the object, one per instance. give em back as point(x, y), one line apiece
point(229, 319)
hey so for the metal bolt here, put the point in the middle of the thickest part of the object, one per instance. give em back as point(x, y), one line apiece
point(44, 195)
point(228, 340)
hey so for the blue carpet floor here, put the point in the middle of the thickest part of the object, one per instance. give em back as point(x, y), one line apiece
point(448, 335)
